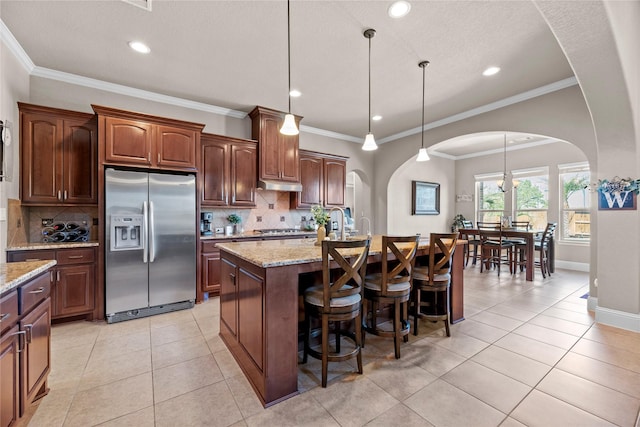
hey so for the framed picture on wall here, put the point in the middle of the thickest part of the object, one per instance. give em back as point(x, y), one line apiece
point(425, 198)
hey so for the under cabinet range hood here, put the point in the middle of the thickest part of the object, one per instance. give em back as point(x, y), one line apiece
point(267, 184)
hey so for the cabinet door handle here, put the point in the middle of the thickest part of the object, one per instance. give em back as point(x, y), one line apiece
point(233, 278)
point(149, 157)
point(59, 195)
point(158, 158)
point(76, 256)
point(58, 275)
point(4, 316)
point(37, 291)
point(65, 194)
point(28, 334)
point(20, 340)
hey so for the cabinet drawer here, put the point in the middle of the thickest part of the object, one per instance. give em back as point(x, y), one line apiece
point(209, 246)
point(33, 292)
point(75, 256)
point(8, 310)
point(31, 255)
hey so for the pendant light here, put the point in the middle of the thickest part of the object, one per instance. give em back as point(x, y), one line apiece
point(289, 126)
point(423, 156)
point(502, 184)
point(369, 141)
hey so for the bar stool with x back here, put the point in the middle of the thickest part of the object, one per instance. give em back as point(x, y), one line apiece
point(391, 287)
point(435, 278)
point(338, 299)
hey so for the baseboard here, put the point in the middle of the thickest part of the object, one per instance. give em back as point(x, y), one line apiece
point(619, 319)
point(592, 303)
point(570, 265)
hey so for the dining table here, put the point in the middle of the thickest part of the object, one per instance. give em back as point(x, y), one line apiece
point(529, 244)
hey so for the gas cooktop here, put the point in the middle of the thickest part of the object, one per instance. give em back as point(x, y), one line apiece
point(278, 231)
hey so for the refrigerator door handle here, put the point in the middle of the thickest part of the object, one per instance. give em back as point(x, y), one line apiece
point(152, 233)
point(145, 232)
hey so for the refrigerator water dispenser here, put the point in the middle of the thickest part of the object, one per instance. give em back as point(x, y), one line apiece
point(126, 232)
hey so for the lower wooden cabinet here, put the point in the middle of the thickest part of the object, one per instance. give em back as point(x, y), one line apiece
point(210, 268)
point(228, 297)
point(9, 377)
point(25, 347)
point(74, 279)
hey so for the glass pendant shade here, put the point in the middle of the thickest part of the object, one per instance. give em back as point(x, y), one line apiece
point(369, 143)
point(423, 156)
point(289, 126)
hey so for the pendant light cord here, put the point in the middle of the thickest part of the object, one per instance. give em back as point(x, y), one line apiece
point(423, 85)
point(370, 84)
point(289, 52)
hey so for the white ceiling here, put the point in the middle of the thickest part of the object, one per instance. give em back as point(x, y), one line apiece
point(233, 54)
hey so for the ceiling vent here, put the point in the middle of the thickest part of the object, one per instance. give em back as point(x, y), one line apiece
point(143, 4)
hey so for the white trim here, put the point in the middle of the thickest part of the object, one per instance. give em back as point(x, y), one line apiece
point(14, 47)
point(331, 134)
point(505, 102)
point(619, 319)
point(571, 265)
point(501, 150)
point(573, 167)
point(488, 176)
point(592, 303)
point(524, 173)
point(137, 93)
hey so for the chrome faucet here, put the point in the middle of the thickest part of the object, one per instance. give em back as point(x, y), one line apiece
point(368, 225)
point(342, 228)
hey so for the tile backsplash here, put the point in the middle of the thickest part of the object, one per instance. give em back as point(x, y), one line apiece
point(271, 211)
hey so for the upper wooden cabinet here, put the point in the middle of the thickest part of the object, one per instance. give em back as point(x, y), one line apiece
point(58, 156)
point(136, 139)
point(228, 171)
point(278, 154)
point(323, 179)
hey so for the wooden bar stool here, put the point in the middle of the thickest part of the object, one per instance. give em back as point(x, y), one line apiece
point(337, 301)
point(391, 286)
point(435, 279)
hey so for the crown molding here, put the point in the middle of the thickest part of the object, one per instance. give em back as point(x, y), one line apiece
point(14, 47)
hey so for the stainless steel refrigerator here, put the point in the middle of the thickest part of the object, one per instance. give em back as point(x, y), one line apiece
point(150, 261)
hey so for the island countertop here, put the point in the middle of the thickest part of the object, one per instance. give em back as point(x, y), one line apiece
point(276, 253)
point(13, 274)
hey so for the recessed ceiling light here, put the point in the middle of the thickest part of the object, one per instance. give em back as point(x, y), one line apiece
point(491, 71)
point(376, 117)
point(398, 9)
point(295, 93)
point(139, 47)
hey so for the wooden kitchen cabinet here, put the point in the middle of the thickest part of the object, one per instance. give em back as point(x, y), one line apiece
point(228, 167)
point(278, 154)
point(58, 156)
point(228, 297)
point(323, 178)
point(74, 279)
point(135, 139)
point(25, 347)
point(210, 267)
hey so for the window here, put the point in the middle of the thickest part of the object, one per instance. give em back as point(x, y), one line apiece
point(531, 197)
point(490, 207)
point(575, 202)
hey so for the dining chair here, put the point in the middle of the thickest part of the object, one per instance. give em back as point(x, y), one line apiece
point(392, 286)
point(434, 279)
point(336, 301)
point(542, 246)
point(473, 242)
point(519, 250)
point(489, 225)
point(493, 247)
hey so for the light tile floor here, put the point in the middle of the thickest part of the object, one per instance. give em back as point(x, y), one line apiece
point(527, 354)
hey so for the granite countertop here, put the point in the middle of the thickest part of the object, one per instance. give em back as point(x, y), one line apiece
point(256, 234)
point(274, 253)
point(14, 274)
point(41, 245)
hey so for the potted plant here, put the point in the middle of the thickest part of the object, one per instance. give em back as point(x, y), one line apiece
point(234, 220)
point(321, 217)
point(457, 222)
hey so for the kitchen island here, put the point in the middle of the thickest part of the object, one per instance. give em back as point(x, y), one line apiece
point(261, 284)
